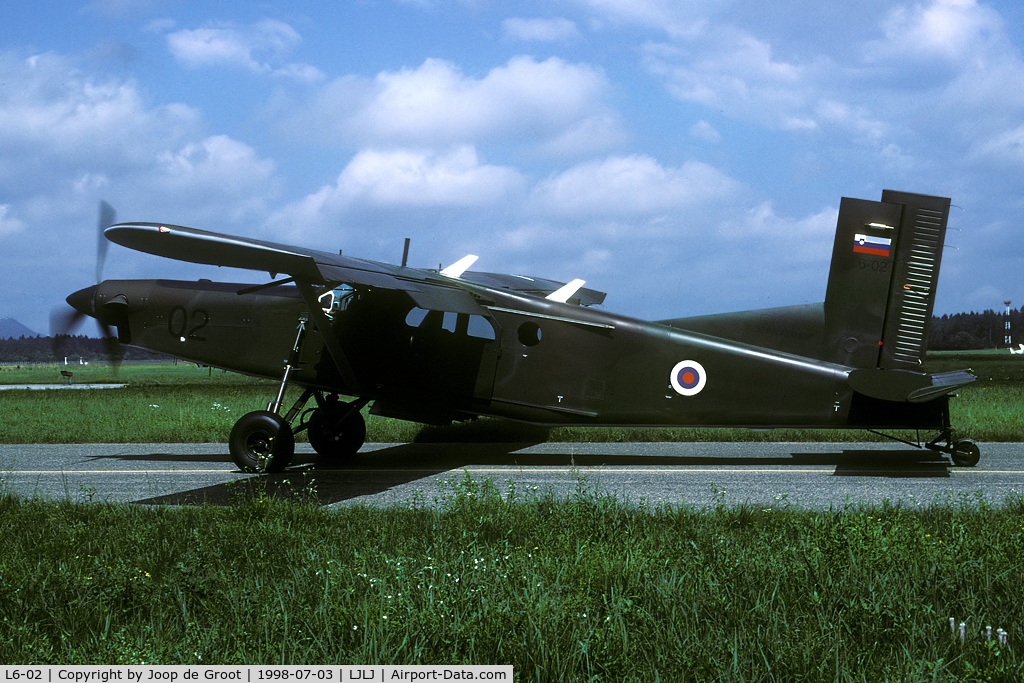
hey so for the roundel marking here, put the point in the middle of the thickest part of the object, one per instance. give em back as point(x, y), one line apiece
point(688, 377)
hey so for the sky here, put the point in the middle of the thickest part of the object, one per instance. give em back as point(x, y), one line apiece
point(686, 157)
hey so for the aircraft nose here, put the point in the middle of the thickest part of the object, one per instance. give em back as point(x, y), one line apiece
point(84, 300)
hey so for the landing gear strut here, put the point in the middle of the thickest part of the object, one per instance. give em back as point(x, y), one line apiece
point(336, 430)
point(963, 452)
point(264, 442)
point(261, 442)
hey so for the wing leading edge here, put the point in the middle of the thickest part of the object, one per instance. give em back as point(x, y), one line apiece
point(429, 289)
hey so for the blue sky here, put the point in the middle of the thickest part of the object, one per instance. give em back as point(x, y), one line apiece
point(685, 157)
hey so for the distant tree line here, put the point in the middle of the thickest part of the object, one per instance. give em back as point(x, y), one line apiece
point(985, 330)
point(72, 347)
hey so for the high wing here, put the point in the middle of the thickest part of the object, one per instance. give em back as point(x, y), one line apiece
point(429, 289)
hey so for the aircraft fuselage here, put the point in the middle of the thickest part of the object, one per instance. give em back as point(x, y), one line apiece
point(523, 358)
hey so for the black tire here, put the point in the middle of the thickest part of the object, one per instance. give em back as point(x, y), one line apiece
point(336, 444)
point(261, 442)
point(965, 453)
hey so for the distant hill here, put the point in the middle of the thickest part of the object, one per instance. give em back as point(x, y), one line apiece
point(12, 329)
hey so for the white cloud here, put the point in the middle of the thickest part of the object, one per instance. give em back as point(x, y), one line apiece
point(943, 29)
point(540, 30)
point(69, 138)
point(787, 238)
point(702, 130)
point(736, 73)
point(120, 8)
point(677, 19)
point(435, 104)
point(591, 134)
point(303, 73)
point(630, 185)
point(72, 123)
point(399, 179)
point(161, 25)
point(228, 166)
point(438, 100)
point(256, 48)
point(8, 224)
point(232, 46)
point(1005, 148)
point(935, 80)
point(421, 178)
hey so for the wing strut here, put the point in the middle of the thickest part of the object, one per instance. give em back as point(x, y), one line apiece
point(323, 326)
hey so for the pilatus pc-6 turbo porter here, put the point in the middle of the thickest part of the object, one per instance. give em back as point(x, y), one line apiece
point(436, 346)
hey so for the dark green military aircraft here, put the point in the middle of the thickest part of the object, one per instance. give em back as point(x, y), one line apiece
point(435, 346)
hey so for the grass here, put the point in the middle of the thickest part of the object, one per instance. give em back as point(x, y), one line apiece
point(152, 373)
point(163, 403)
point(579, 588)
point(170, 403)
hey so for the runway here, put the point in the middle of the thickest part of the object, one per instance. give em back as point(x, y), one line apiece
point(805, 475)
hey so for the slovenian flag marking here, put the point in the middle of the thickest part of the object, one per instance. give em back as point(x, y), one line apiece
point(869, 244)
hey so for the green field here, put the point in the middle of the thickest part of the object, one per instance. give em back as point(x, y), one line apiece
point(173, 403)
point(576, 588)
point(582, 588)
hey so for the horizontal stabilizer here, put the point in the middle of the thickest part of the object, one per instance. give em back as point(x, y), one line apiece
point(905, 386)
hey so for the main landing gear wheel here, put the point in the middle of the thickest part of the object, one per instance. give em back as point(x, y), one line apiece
point(335, 437)
point(965, 453)
point(261, 442)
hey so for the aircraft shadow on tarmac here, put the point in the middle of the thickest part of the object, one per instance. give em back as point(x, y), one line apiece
point(378, 471)
point(164, 457)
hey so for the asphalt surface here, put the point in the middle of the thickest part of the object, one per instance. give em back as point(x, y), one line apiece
point(57, 387)
point(807, 475)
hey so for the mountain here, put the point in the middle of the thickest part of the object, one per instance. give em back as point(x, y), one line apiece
point(11, 328)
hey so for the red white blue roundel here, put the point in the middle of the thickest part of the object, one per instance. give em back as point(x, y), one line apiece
point(688, 377)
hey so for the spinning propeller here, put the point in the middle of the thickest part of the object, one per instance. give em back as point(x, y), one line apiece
point(83, 302)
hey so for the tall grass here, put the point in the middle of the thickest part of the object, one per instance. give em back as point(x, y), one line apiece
point(578, 588)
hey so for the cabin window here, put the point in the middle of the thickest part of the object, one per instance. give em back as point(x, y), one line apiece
point(416, 317)
point(529, 334)
point(481, 328)
point(474, 326)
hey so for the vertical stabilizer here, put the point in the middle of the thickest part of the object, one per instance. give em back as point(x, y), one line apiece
point(881, 287)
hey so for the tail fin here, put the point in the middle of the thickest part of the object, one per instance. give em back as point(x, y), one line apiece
point(881, 288)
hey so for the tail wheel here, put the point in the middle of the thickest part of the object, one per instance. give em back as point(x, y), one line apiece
point(965, 453)
point(261, 442)
point(335, 438)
